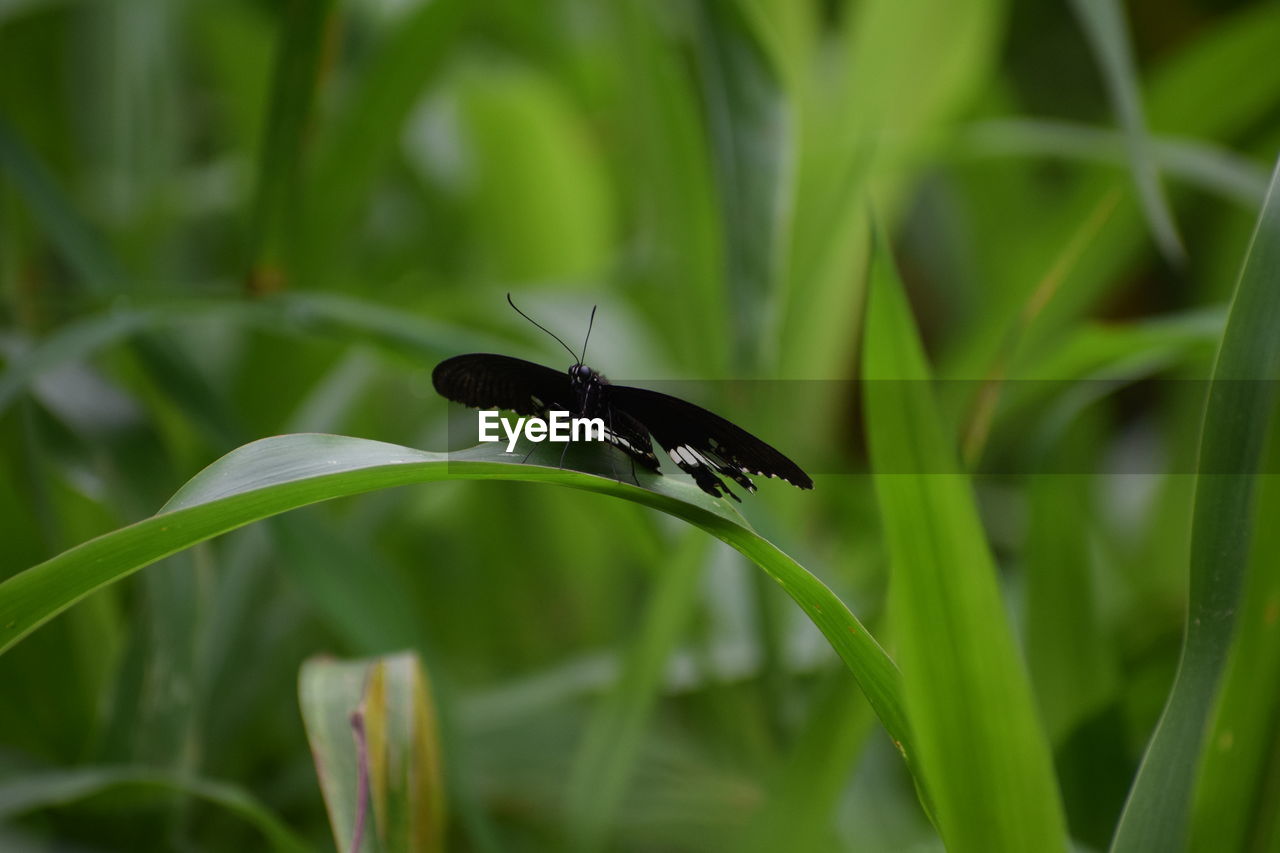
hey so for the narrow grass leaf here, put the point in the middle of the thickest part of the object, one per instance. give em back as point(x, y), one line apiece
point(884, 108)
point(1210, 167)
point(365, 136)
point(82, 248)
point(1228, 75)
point(1237, 416)
point(986, 762)
point(303, 28)
point(1119, 349)
point(1234, 798)
point(979, 424)
point(1072, 667)
point(605, 760)
point(671, 179)
point(1104, 26)
point(53, 788)
point(320, 315)
point(1101, 359)
point(800, 814)
point(99, 271)
point(749, 125)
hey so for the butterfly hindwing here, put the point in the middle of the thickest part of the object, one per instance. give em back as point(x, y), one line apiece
point(488, 381)
point(703, 444)
point(630, 436)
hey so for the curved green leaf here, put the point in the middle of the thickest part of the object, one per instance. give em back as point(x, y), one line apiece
point(1237, 416)
point(278, 474)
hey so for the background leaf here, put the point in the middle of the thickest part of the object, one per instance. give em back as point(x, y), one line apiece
point(1104, 23)
point(376, 714)
point(966, 689)
point(702, 172)
point(54, 788)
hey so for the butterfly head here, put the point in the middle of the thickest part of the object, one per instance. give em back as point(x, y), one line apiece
point(580, 374)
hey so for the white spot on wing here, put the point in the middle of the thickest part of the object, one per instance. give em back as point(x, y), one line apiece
point(689, 455)
point(620, 441)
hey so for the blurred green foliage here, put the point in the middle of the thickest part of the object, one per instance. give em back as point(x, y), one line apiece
point(227, 220)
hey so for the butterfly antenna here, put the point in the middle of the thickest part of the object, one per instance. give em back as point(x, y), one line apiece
point(542, 327)
point(590, 323)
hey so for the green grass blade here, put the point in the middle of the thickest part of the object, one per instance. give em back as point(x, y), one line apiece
point(1237, 415)
point(32, 791)
point(304, 25)
point(1122, 354)
point(1072, 667)
point(1108, 36)
point(670, 177)
point(78, 243)
point(303, 314)
point(1228, 75)
point(750, 133)
point(985, 759)
point(604, 762)
point(99, 270)
point(1112, 350)
point(884, 108)
point(1075, 669)
point(749, 127)
point(368, 132)
point(988, 395)
point(1234, 805)
point(389, 699)
point(1212, 168)
point(804, 797)
point(277, 474)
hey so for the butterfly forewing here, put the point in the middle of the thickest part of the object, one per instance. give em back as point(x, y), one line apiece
point(488, 381)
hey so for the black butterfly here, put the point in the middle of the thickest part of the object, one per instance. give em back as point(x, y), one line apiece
point(698, 442)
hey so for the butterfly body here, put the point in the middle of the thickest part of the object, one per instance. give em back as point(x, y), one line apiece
point(588, 387)
point(699, 442)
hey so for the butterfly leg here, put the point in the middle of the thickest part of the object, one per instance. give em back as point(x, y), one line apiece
point(532, 448)
point(613, 466)
point(562, 454)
